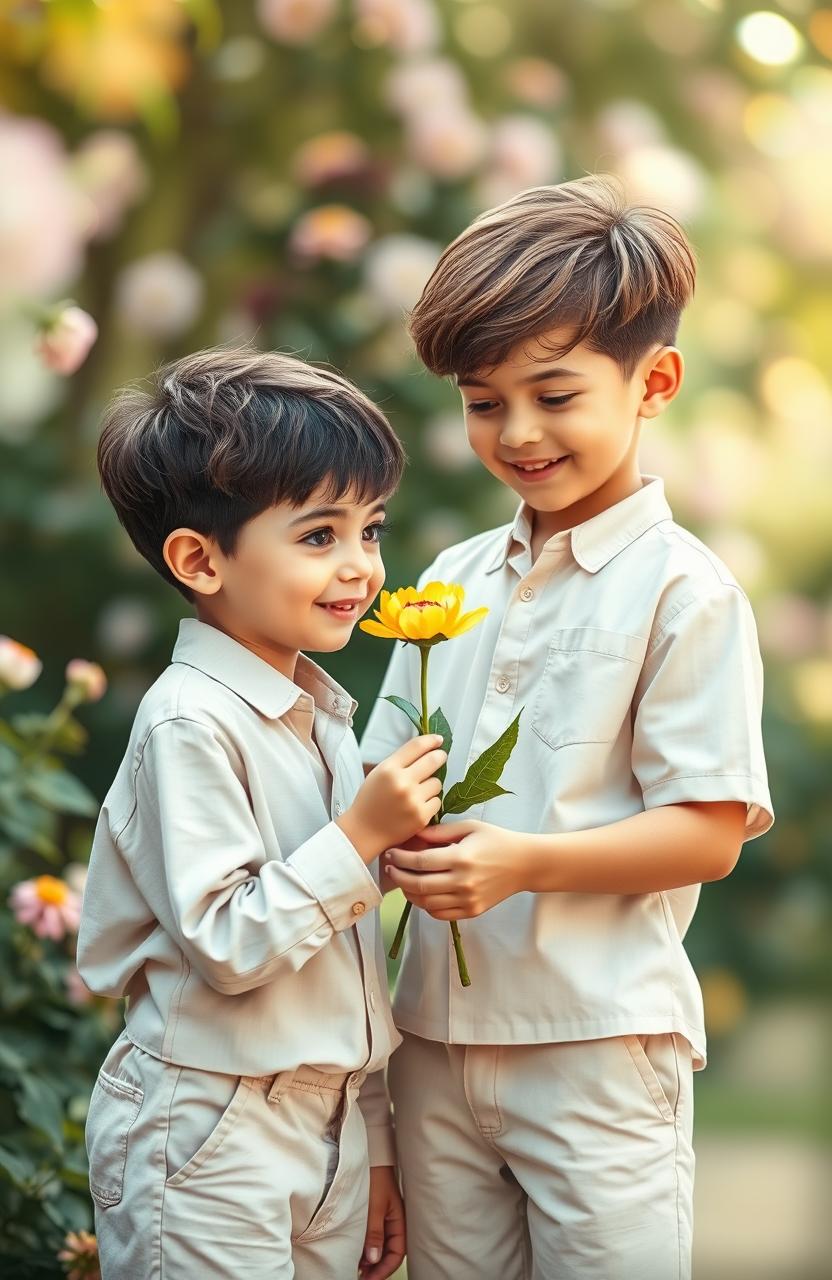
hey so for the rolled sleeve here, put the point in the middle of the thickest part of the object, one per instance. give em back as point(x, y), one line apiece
point(197, 855)
point(374, 1102)
point(696, 728)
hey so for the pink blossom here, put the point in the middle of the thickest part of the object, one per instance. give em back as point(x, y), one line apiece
point(331, 231)
point(448, 143)
point(295, 21)
point(330, 157)
point(19, 665)
point(407, 26)
point(86, 679)
point(65, 343)
point(47, 905)
point(110, 172)
point(80, 1256)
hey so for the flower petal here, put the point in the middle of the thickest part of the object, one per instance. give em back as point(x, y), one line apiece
point(422, 623)
point(379, 629)
point(469, 620)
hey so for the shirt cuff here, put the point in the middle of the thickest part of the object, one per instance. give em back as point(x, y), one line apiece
point(381, 1145)
point(716, 787)
point(336, 875)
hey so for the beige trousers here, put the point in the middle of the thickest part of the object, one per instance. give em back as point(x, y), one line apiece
point(202, 1176)
point(564, 1161)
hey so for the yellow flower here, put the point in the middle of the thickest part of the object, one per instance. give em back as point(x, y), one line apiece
point(427, 616)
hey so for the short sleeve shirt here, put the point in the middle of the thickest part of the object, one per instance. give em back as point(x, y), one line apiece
point(632, 653)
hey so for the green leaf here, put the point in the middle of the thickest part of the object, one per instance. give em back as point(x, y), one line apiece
point(409, 710)
point(20, 1168)
point(438, 724)
point(480, 782)
point(40, 1107)
point(61, 791)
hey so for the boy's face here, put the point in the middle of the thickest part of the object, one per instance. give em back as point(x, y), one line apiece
point(562, 431)
point(300, 578)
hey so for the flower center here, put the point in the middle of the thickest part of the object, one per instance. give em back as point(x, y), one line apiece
point(51, 890)
point(423, 604)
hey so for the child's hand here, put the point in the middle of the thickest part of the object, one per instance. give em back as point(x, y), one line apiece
point(398, 798)
point(384, 1244)
point(459, 870)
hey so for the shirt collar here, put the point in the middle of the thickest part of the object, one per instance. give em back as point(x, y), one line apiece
point(596, 541)
point(254, 680)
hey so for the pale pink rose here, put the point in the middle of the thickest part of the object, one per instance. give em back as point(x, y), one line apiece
point(65, 343)
point(159, 295)
point(426, 84)
point(19, 665)
point(47, 905)
point(449, 144)
point(536, 82)
point(110, 172)
point(407, 26)
point(80, 1256)
point(87, 679)
point(397, 269)
point(77, 991)
point(524, 153)
point(331, 156)
point(295, 21)
point(42, 223)
point(331, 231)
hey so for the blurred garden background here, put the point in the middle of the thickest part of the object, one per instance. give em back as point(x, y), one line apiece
point(187, 172)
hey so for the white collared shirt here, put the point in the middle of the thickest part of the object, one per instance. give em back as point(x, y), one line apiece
point(633, 653)
point(221, 895)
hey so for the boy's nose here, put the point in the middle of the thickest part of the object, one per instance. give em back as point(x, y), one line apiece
point(519, 428)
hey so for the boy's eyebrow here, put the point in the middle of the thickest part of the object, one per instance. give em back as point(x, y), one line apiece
point(329, 513)
point(557, 371)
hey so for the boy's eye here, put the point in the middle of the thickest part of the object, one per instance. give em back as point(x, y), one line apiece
point(375, 532)
point(556, 400)
point(480, 406)
point(318, 538)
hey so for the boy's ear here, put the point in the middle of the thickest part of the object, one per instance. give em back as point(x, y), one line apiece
point(191, 557)
point(662, 374)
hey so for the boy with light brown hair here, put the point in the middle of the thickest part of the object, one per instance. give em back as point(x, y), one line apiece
point(544, 1114)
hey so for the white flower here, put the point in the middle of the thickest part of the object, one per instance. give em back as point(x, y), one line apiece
point(665, 177)
point(65, 343)
point(408, 26)
point(397, 269)
point(42, 227)
point(159, 296)
point(524, 153)
point(449, 144)
point(425, 84)
point(19, 665)
point(295, 21)
point(86, 679)
point(111, 173)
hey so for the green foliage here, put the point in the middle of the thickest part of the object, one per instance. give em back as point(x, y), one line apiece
point(50, 1047)
point(481, 782)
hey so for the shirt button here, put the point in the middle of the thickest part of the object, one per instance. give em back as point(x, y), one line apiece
point(337, 705)
point(527, 594)
point(358, 908)
point(503, 684)
point(373, 1000)
point(339, 809)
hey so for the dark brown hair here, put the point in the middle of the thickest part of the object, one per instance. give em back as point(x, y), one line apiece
point(221, 435)
point(575, 256)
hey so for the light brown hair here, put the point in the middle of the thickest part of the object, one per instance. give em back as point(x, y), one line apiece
point(217, 437)
point(575, 256)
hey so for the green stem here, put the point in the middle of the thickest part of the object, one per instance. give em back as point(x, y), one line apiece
point(461, 964)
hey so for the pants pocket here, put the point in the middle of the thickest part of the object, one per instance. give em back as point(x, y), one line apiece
point(114, 1107)
point(204, 1109)
point(337, 1151)
point(656, 1060)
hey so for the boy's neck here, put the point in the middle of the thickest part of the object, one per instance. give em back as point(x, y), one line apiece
point(546, 524)
point(283, 660)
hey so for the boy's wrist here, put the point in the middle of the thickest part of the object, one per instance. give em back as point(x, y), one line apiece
point(367, 843)
point(537, 862)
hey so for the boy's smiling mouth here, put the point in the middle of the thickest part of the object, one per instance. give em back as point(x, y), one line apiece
point(537, 468)
point(344, 610)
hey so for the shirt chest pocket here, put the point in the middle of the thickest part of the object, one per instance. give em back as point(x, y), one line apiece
point(587, 686)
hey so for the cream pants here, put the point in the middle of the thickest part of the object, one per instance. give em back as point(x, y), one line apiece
point(202, 1176)
point(567, 1161)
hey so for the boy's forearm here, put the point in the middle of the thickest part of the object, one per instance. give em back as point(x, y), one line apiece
point(661, 848)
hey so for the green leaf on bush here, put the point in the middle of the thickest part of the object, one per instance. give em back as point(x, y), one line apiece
point(438, 724)
point(20, 1168)
point(408, 708)
point(40, 1107)
point(480, 782)
point(61, 791)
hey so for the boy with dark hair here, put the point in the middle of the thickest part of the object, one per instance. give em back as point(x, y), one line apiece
point(229, 895)
point(554, 1138)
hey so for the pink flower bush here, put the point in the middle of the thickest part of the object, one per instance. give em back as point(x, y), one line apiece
point(19, 665)
point(331, 231)
point(295, 21)
point(65, 343)
point(47, 905)
point(86, 679)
